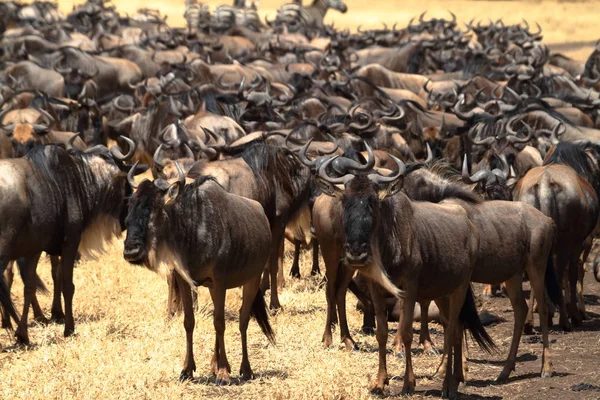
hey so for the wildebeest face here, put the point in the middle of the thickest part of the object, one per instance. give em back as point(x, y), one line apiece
point(144, 202)
point(361, 212)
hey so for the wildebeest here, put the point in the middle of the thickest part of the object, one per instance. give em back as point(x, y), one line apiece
point(565, 189)
point(402, 250)
point(208, 237)
point(60, 201)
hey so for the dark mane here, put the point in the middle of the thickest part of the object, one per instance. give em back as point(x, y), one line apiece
point(436, 183)
point(574, 156)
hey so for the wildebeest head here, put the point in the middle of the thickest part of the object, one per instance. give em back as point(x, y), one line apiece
point(361, 194)
point(149, 198)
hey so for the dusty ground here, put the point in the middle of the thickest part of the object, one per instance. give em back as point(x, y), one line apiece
point(126, 348)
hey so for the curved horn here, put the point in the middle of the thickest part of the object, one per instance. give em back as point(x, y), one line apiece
point(378, 179)
point(477, 177)
point(115, 151)
point(156, 158)
point(323, 175)
point(69, 144)
point(131, 174)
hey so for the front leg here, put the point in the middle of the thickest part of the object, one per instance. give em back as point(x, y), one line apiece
point(66, 272)
point(378, 385)
point(185, 294)
point(218, 297)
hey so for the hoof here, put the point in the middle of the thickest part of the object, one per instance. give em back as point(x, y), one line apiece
point(69, 332)
point(528, 329)
point(222, 378)
point(566, 326)
point(503, 377)
point(57, 318)
point(185, 376)
point(546, 374)
point(367, 330)
point(400, 355)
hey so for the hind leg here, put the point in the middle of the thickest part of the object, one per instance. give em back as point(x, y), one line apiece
point(537, 279)
point(250, 291)
point(315, 258)
point(56, 312)
point(28, 273)
point(331, 255)
point(295, 270)
point(581, 268)
point(573, 276)
point(514, 288)
point(424, 337)
point(9, 276)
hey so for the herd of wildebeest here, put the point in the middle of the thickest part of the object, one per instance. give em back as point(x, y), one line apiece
point(418, 158)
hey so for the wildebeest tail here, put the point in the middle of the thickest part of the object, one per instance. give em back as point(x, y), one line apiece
point(259, 312)
point(551, 281)
point(6, 301)
point(470, 320)
point(39, 284)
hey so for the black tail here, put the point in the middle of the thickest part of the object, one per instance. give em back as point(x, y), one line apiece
point(259, 312)
point(6, 301)
point(470, 320)
point(551, 281)
point(39, 284)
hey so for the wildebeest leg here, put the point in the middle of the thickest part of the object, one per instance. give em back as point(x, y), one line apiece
point(315, 258)
point(406, 333)
point(453, 332)
point(378, 385)
point(38, 314)
point(280, 274)
point(249, 294)
point(562, 265)
point(273, 267)
point(576, 318)
point(66, 271)
point(56, 312)
point(295, 270)
point(341, 287)
point(27, 268)
point(487, 292)
point(424, 337)
point(331, 258)
point(9, 275)
point(514, 288)
point(185, 292)
point(444, 308)
point(538, 287)
point(581, 268)
point(217, 293)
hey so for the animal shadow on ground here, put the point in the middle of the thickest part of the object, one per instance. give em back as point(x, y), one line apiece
point(237, 381)
point(591, 299)
point(515, 378)
point(462, 396)
point(521, 358)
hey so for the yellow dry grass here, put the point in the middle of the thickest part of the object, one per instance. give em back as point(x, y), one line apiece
point(127, 348)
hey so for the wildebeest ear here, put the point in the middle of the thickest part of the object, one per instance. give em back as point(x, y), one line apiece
point(329, 188)
point(390, 189)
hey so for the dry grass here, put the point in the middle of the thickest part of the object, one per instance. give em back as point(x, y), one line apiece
point(126, 348)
